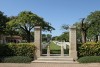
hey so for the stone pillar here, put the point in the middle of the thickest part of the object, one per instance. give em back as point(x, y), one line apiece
point(37, 41)
point(2, 39)
point(62, 50)
point(48, 51)
point(99, 38)
point(72, 40)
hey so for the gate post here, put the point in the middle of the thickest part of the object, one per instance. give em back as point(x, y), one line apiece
point(37, 41)
point(72, 40)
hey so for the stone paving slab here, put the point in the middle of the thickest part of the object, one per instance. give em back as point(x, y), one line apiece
point(48, 65)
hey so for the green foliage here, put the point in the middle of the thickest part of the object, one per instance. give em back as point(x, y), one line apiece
point(25, 22)
point(89, 27)
point(5, 50)
point(17, 59)
point(98, 42)
point(64, 26)
point(94, 19)
point(21, 49)
point(89, 49)
point(11, 29)
point(89, 59)
point(46, 37)
point(63, 37)
point(3, 20)
point(54, 46)
point(55, 49)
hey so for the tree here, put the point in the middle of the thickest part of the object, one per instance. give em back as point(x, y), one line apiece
point(3, 20)
point(84, 28)
point(64, 26)
point(49, 37)
point(26, 20)
point(94, 19)
point(64, 36)
point(44, 38)
point(11, 29)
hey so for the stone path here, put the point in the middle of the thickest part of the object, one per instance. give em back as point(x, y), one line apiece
point(48, 65)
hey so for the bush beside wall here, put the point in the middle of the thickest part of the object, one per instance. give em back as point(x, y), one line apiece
point(21, 49)
point(89, 49)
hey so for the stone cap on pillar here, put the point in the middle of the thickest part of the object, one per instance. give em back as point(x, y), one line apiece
point(37, 26)
point(72, 27)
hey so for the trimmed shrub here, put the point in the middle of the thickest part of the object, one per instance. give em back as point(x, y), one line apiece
point(17, 49)
point(22, 49)
point(5, 50)
point(89, 59)
point(89, 49)
point(17, 59)
point(98, 42)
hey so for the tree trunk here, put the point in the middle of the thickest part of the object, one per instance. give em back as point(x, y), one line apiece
point(83, 36)
point(96, 38)
point(28, 36)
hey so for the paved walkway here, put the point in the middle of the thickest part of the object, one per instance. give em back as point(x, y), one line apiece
point(48, 65)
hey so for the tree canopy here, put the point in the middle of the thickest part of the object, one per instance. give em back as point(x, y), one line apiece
point(3, 20)
point(26, 20)
point(89, 26)
point(94, 19)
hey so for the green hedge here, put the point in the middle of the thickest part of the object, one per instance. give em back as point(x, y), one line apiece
point(20, 49)
point(89, 59)
point(17, 59)
point(89, 49)
point(5, 50)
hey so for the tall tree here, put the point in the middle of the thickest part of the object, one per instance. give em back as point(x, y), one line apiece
point(64, 36)
point(94, 18)
point(3, 20)
point(26, 20)
point(11, 28)
point(82, 28)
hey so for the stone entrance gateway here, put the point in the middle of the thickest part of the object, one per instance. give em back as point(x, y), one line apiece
point(72, 39)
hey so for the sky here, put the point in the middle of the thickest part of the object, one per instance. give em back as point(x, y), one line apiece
point(56, 12)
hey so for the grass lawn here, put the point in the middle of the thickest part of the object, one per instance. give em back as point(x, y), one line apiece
point(54, 46)
point(54, 49)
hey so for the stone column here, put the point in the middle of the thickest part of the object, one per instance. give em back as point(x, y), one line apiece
point(37, 41)
point(99, 38)
point(72, 40)
point(2, 39)
point(48, 51)
point(62, 50)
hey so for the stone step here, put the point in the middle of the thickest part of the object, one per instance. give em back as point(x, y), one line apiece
point(71, 62)
point(55, 59)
